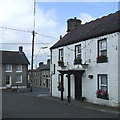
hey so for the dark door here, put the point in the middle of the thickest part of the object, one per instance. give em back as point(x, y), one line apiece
point(78, 87)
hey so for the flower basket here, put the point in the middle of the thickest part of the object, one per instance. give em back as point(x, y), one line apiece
point(102, 59)
point(77, 61)
point(60, 63)
point(102, 94)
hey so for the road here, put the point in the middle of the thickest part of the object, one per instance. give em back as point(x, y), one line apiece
point(36, 104)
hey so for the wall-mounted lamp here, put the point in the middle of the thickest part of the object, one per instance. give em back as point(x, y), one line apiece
point(90, 76)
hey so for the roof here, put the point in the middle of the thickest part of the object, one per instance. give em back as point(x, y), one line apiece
point(11, 57)
point(99, 27)
point(43, 67)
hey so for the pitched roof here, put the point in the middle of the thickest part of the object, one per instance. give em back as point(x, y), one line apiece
point(99, 27)
point(11, 57)
point(43, 67)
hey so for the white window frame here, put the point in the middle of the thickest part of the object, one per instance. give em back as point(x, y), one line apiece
point(78, 51)
point(20, 67)
point(8, 65)
point(100, 81)
point(19, 81)
point(105, 47)
point(61, 55)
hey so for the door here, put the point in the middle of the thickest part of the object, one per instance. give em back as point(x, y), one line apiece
point(46, 82)
point(8, 81)
point(78, 87)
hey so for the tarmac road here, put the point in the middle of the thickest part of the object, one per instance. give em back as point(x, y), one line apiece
point(36, 104)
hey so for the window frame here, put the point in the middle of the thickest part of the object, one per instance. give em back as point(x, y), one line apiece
point(6, 70)
point(61, 57)
point(9, 76)
point(76, 51)
point(103, 60)
point(20, 67)
point(19, 81)
point(99, 85)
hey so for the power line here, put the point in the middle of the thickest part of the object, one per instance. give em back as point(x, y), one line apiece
point(19, 30)
point(47, 36)
point(15, 29)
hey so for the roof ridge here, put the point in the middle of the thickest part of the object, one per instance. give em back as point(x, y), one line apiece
point(8, 51)
point(102, 17)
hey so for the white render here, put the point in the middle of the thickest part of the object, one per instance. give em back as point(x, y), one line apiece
point(89, 86)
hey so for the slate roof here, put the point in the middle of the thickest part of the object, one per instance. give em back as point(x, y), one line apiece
point(99, 27)
point(11, 57)
point(43, 67)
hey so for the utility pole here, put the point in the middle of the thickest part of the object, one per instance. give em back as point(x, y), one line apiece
point(33, 33)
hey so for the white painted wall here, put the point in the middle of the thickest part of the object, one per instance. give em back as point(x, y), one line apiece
point(119, 68)
point(89, 86)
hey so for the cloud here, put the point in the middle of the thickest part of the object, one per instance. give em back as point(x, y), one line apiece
point(85, 17)
point(18, 14)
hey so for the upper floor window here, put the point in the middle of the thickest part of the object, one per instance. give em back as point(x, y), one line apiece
point(103, 47)
point(78, 51)
point(78, 59)
point(19, 68)
point(61, 54)
point(8, 68)
point(102, 51)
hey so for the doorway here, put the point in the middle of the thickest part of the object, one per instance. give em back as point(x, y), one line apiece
point(78, 87)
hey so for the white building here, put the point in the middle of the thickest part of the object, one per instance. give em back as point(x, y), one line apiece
point(97, 77)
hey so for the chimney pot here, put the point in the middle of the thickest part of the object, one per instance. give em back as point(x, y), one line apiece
point(20, 49)
point(60, 36)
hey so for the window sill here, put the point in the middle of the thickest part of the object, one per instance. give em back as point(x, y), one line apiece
point(8, 71)
point(102, 61)
point(18, 82)
point(103, 97)
point(77, 63)
point(18, 71)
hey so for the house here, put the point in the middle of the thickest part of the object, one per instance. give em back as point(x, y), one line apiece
point(14, 68)
point(85, 63)
point(41, 75)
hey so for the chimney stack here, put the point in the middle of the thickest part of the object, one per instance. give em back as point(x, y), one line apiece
point(41, 63)
point(73, 23)
point(20, 49)
point(48, 61)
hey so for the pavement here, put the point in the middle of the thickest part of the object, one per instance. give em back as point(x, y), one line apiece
point(83, 104)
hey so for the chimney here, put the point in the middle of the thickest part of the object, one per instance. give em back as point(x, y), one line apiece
point(20, 49)
point(60, 36)
point(48, 61)
point(73, 23)
point(41, 63)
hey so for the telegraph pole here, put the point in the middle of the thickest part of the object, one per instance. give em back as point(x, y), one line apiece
point(33, 33)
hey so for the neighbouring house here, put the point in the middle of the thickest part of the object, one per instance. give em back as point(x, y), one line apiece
point(41, 75)
point(85, 63)
point(14, 68)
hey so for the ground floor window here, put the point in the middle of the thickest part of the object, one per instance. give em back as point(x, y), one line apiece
point(8, 78)
point(19, 79)
point(102, 91)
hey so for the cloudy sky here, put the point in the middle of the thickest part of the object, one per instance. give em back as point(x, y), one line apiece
point(50, 22)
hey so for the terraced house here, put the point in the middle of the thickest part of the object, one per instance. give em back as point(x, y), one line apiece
point(14, 67)
point(41, 75)
point(85, 63)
